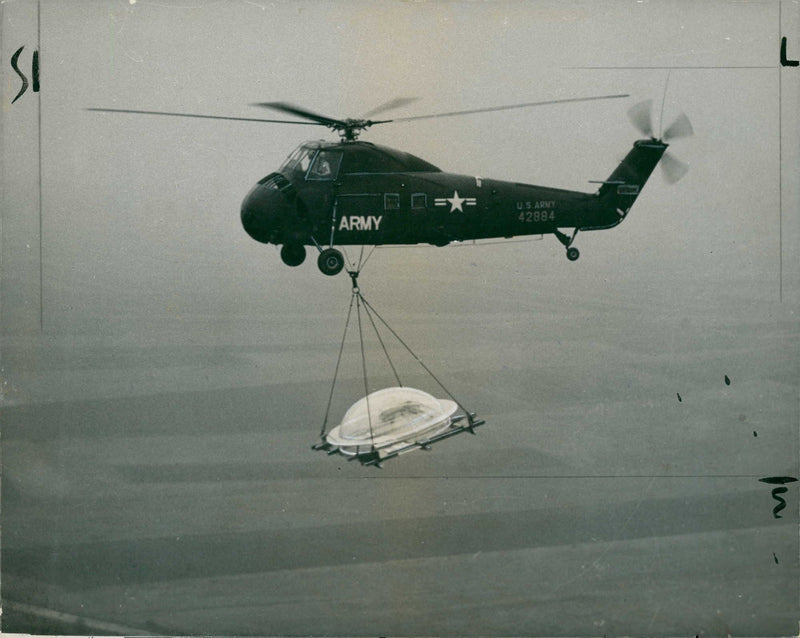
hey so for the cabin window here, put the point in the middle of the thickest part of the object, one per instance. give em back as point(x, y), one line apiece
point(326, 165)
point(391, 201)
point(627, 189)
point(419, 200)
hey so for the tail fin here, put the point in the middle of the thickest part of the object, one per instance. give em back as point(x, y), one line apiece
point(621, 189)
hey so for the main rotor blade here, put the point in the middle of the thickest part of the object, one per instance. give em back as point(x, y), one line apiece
point(391, 104)
point(300, 112)
point(674, 169)
point(640, 116)
point(207, 117)
point(681, 127)
point(506, 108)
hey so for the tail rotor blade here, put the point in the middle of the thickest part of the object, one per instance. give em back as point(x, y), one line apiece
point(681, 127)
point(640, 116)
point(674, 169)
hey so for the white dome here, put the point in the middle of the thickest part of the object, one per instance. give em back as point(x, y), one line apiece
point(395, 415)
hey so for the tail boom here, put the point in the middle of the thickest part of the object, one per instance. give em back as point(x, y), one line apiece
point(619, 192)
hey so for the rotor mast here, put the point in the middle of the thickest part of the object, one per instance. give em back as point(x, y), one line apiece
point(350, 129)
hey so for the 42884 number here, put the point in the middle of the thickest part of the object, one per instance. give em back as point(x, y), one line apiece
point(537, 216)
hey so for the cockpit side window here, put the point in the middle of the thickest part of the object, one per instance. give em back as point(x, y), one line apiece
point(326, 166)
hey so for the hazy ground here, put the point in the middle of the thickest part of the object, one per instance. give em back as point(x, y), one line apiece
point(163, 481)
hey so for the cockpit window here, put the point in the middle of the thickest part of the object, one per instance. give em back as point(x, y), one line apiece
point(326, 165)
point(298, 162)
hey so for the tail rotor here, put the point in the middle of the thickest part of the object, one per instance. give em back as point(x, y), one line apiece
point(673, 168)
point(641, 116)
point(681, 127)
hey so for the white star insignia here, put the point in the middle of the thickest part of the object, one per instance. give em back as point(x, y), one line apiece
point(456, 202)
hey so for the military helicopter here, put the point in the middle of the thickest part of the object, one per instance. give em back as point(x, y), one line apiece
point(352, 192)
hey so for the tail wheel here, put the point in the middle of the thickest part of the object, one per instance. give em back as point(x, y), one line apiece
point(293, 254)
point(330, 261)
point(573, 253)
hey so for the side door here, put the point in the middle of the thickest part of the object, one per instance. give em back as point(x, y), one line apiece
point(359, 210)
point(317, 196)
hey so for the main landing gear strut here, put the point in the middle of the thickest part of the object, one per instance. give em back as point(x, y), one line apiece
point(330, 260)
point(572, 252)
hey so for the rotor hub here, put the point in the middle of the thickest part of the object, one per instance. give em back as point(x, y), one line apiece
point(350, 128)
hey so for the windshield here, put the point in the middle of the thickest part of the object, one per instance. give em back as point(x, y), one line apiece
point(298, 162)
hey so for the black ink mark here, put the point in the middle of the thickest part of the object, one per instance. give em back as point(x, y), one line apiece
point(781, 502)
point(14, 66)
point(35, 71)
point(755, 433)
point(727, 380)
point(679, 397)
point(778, 480)
point(775, 557)
point(784, 61)
point(776, 492)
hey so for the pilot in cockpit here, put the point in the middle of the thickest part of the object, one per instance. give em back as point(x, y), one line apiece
point(322, 167)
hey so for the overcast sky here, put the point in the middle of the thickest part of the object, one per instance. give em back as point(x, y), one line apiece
point(140, 214)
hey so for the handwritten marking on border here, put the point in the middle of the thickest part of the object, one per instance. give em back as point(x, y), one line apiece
point(776, 492)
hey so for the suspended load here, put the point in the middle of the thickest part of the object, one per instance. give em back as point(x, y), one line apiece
point(391, 417)
point(391, 421)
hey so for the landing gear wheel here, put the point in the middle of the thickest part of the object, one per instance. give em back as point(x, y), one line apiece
point(293, 254)
point(573, 253)
point(330, 261)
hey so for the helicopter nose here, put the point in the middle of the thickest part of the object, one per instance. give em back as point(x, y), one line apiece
point(261, 213)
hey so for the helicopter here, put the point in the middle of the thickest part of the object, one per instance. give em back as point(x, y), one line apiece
point(352, 192)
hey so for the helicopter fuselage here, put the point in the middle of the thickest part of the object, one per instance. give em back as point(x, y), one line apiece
point(358, 193)
point(353, 192)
